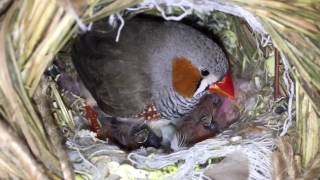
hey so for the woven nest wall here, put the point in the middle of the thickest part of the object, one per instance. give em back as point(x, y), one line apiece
point(278, 38)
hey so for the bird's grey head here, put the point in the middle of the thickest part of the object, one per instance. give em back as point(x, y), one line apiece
point(191, 77)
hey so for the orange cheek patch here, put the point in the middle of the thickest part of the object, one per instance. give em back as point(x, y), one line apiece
point(185, 76)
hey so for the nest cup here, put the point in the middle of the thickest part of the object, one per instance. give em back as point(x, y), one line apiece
point(273, 47)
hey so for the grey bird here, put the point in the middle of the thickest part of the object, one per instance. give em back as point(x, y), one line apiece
point(157, 70)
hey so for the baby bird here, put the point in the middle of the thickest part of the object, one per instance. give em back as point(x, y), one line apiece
point(129, 134)
point(212, 115)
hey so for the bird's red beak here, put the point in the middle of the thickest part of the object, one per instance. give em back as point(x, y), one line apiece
point(223, 87)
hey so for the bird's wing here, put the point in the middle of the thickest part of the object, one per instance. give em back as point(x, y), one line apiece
point(112, 73)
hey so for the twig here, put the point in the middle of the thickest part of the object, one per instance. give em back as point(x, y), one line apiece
point(290, 88)
point(277, 93)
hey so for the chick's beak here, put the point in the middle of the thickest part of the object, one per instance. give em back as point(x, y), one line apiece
point(223, 87)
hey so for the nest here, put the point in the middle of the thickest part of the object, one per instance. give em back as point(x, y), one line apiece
point(277, 39)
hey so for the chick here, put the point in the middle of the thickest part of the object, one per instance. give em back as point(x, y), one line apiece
point(129, 134)
point(212, 115)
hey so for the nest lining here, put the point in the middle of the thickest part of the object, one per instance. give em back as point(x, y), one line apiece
point(93, 158)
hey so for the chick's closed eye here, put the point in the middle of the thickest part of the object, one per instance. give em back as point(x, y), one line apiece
point(141, 136)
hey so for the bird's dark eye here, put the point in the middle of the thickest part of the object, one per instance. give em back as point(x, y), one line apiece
point(207, 122)
point(141, 136)
point(204, 72)
point(212, 125)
